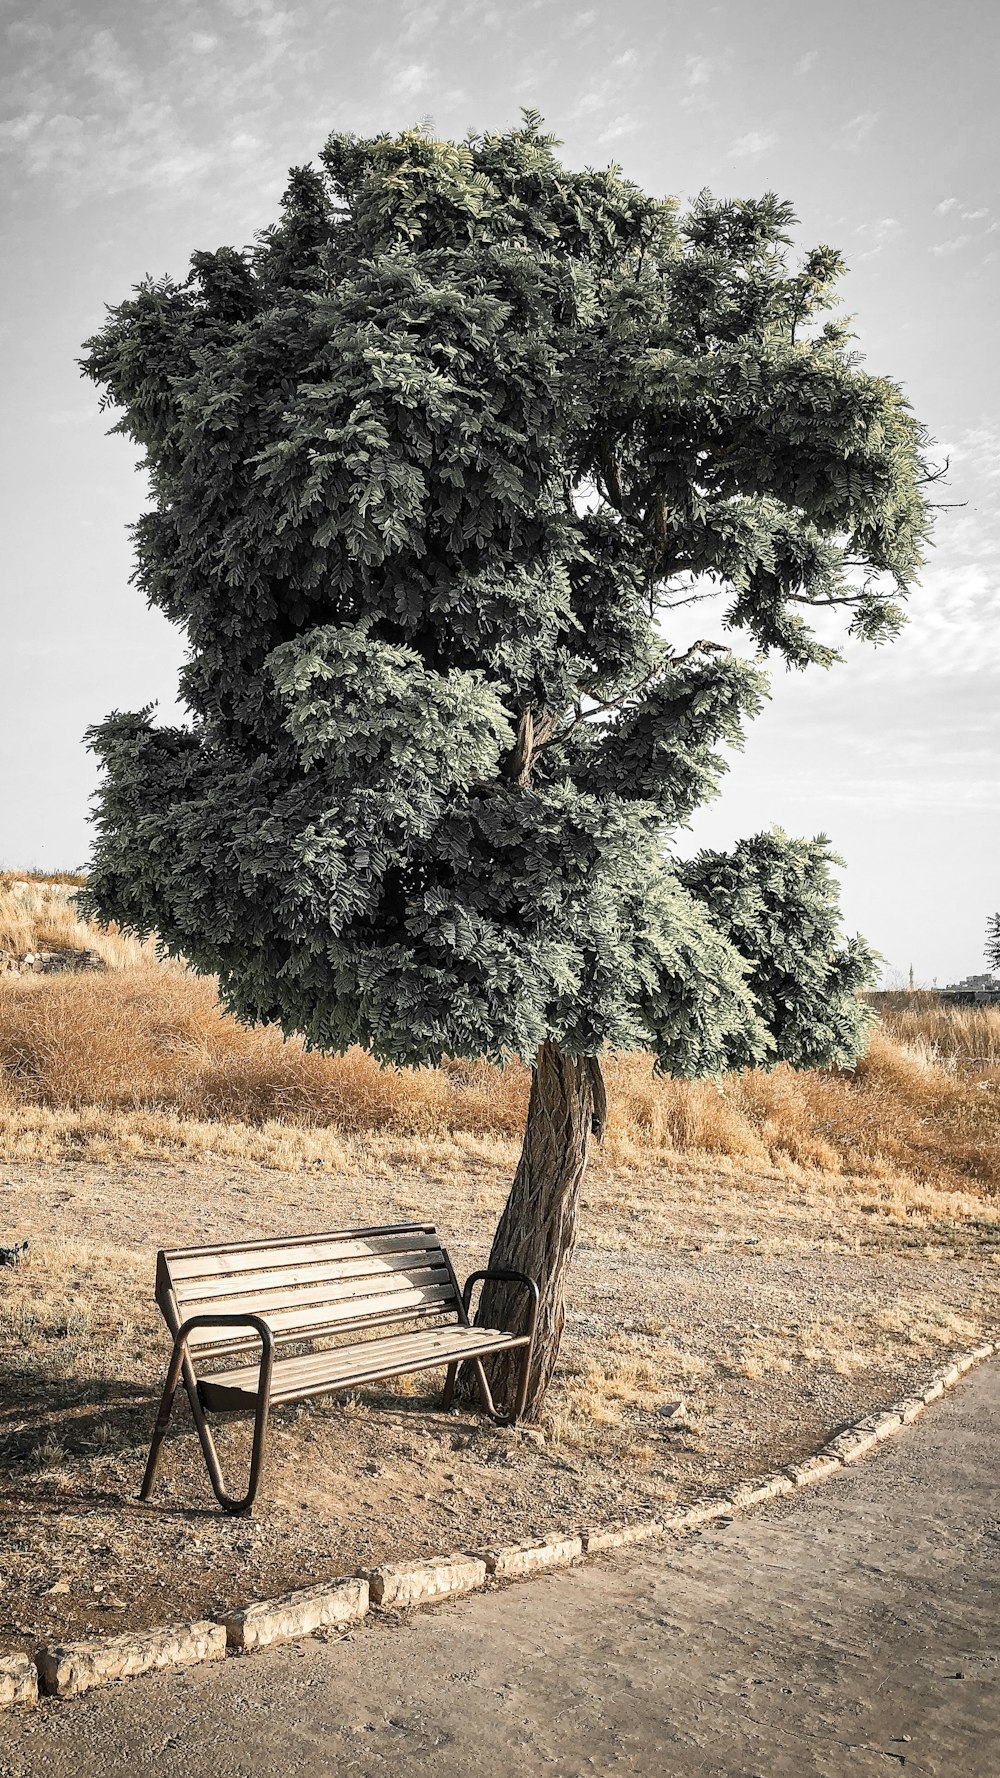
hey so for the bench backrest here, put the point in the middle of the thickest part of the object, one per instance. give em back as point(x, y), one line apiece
point(305, 1285)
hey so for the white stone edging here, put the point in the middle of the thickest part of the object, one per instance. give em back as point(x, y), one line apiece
point(65, 1670)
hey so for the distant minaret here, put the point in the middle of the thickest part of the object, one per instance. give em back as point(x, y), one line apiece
point(911, 978)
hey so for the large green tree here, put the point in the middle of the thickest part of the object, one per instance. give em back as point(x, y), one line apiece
point(434, 465)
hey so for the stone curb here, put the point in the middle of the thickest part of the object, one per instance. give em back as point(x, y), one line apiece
point(399, 1584)
point(66, 1670)
point(301, 1613)
point(18, 1681)
point(554, 1551)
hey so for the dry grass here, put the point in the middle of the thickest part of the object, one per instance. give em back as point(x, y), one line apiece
point(940, 1034)
point(39, 914)
point(140, 1060)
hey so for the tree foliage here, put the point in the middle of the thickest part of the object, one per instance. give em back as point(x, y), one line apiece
point(776, 900)
point(993, 941)
point(432, 465)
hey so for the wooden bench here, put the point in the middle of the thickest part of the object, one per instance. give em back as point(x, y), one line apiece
point(283, 1296)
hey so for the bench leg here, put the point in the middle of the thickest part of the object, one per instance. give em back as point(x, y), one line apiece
point(162, 1422)
point(485, 1392)
point(211, 1455)
point(180, 1365)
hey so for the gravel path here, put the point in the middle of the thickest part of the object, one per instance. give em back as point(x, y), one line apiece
point(848, 1632)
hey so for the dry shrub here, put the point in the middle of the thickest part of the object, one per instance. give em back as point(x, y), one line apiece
point(154, 1039)
point(142, 1059)
point(647, 1110)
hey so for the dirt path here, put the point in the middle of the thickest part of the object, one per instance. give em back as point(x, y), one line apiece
point(852, 1631)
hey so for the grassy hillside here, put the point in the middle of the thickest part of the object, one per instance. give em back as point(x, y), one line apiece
point(138, 1058)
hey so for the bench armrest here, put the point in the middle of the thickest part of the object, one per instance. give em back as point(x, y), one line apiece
point(501, 1276)
point(259, 1326)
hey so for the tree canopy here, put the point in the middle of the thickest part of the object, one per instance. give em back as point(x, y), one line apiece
point(433, 464)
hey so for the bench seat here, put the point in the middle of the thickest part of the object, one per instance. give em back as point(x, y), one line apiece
point(272, 1307)
point(344, 1367)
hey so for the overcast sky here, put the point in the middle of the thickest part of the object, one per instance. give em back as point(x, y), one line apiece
point(134, 132)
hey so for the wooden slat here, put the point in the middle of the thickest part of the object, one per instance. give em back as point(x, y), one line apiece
point(344, 1360)
point(433, 1315)
point(362, 1291)
point(341, 1279)
point(343, 1366)
point(221, 1262)
point(304, 1322)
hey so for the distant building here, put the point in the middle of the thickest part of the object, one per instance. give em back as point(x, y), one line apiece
point(975, 990)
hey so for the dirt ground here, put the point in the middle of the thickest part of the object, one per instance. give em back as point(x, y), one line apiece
point(846, 1632)
point(773, 1313)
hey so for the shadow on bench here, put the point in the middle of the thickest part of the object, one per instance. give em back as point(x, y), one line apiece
point(229, 1302)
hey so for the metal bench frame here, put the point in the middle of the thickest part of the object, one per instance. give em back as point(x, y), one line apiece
point(181, 1367)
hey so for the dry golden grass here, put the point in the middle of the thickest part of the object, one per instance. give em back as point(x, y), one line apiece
point(140, 1060)
point(936, 1033)
point(39, 914)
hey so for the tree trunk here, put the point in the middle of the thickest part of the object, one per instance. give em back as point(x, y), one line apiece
point(537, 1232)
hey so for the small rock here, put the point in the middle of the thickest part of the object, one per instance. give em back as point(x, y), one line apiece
point(700, 1512)
point(909, 1409)
point(882, 1424)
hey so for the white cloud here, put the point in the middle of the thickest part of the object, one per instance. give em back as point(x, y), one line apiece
point(754, 143)
point(957, 242)
point(419, 17)
point(589, 103)
point(807, 63)
point(698, 71)
point(619, 127)
point(20, 128)
point(273, 23)
point(409, 80)
point(878, 234)
point(99, 115)
point(857, 129)
point(945, 205)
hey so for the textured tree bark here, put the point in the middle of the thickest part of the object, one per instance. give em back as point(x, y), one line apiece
point(536, 1233)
